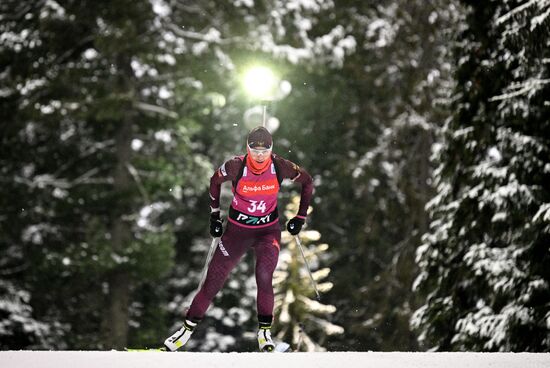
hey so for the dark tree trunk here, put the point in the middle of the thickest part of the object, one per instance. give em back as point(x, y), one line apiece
point(116, 324)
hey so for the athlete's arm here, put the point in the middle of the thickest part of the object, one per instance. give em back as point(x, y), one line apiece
point(228, 171)
point(289, 170)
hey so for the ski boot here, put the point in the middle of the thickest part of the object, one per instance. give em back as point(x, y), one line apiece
point(265, 342)
point(180, 337)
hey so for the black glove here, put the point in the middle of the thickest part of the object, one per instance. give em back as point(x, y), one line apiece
point(216, 226)
point(295, 225)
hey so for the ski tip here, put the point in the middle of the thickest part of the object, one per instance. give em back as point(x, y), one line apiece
point(282, 347)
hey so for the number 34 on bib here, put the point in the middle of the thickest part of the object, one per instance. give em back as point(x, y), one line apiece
point(257, 206)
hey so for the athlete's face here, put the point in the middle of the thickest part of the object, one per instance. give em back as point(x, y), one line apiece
point(260, 154)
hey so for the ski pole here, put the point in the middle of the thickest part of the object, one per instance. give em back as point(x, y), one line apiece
point(213, 247)
point(307, 266)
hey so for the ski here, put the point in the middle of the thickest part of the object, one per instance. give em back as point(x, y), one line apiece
point(282, 347)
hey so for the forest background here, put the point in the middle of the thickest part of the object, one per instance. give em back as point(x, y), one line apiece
point(425, 125)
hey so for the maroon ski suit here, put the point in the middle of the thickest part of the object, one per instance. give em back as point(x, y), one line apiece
point(252, 224)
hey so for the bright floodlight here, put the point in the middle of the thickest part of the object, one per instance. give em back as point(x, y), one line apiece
point(260, 83)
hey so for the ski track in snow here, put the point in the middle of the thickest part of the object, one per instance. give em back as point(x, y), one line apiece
point(103, 359)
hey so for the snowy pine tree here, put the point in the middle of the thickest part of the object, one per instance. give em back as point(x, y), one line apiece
point(87, 128)
point(18, 327)
point(374, 120)
point(299, 319)
point(484, 261)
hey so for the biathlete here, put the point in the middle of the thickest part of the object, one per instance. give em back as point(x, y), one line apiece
point(253, 223)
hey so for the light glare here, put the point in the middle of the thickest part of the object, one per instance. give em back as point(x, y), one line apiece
point(260, 82)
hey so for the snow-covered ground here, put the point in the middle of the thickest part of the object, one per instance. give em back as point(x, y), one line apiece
point(99, 359)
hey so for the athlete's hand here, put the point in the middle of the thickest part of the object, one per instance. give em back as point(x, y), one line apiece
point(294, 225)
point(216, 226)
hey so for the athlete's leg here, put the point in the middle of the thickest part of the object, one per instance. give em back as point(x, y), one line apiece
point(267, 255)
point(233, 244)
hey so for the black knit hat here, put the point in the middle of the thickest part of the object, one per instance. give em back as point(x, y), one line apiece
point(259, 137)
